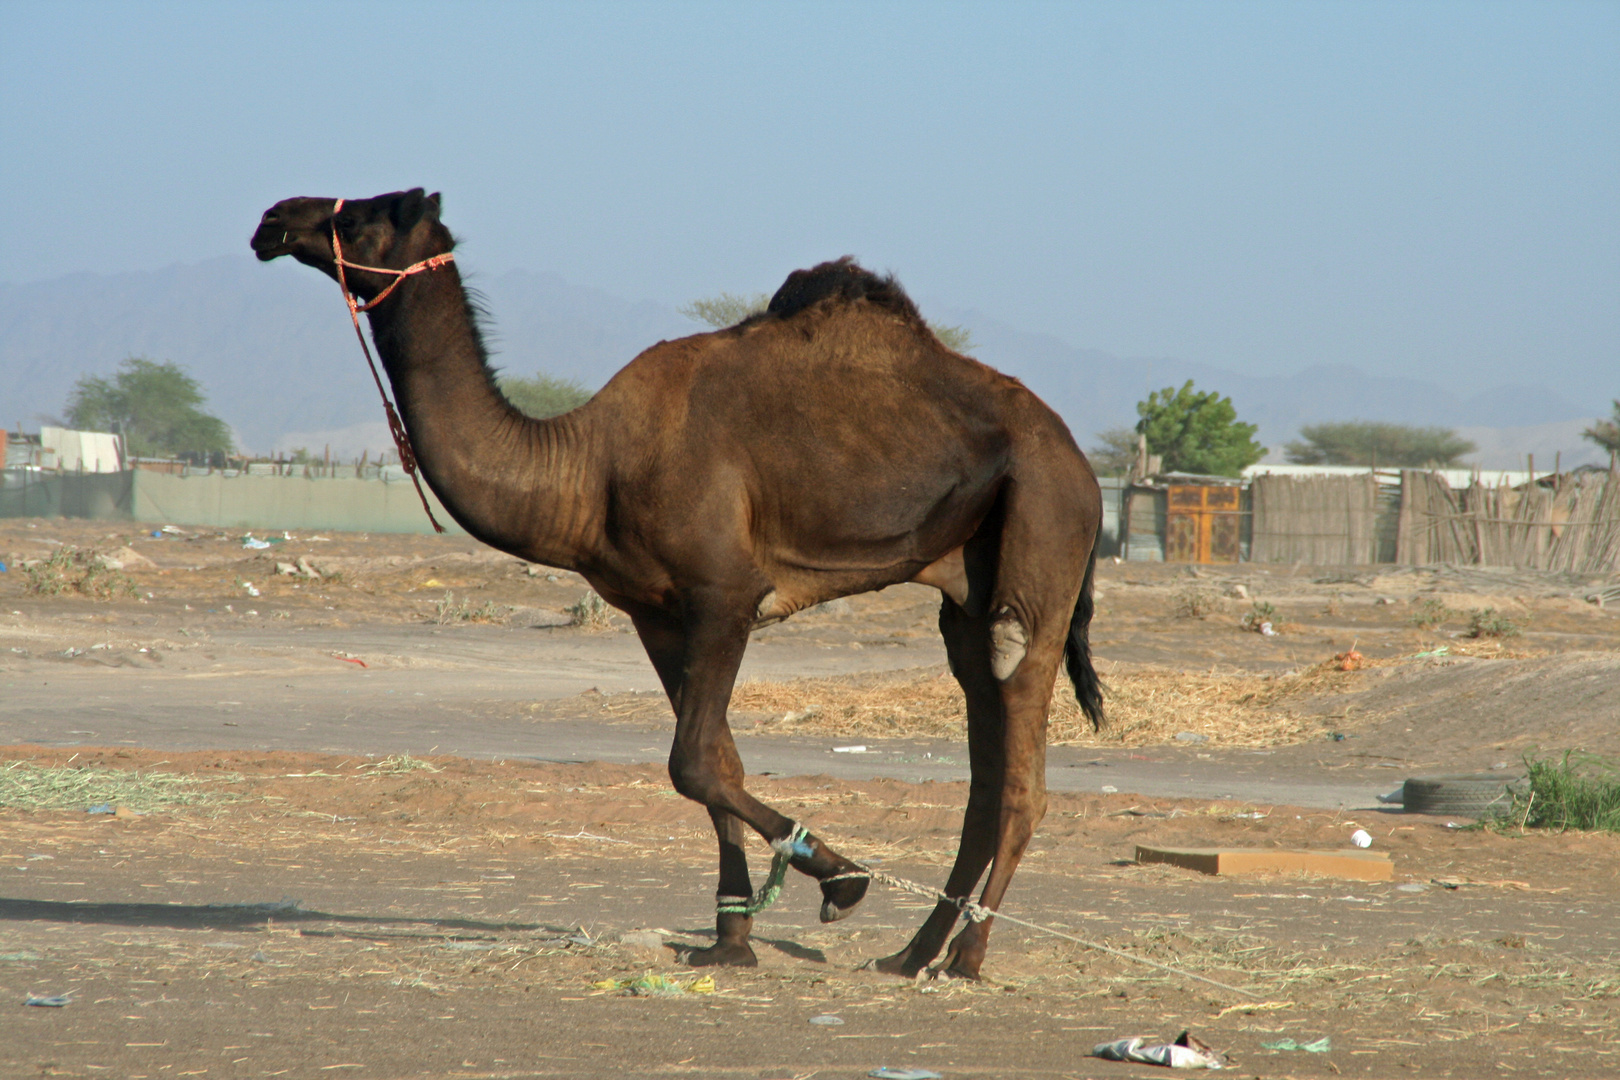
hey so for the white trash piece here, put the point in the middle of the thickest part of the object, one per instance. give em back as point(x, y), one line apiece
point(1187, 1052)
point(1361, 838)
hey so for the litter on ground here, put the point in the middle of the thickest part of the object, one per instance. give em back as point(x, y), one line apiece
point(1320, 1046)
point(1187, 1052)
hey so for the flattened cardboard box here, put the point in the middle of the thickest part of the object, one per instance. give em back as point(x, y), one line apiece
point(1353, 863)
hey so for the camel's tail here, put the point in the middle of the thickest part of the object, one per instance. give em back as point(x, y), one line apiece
point(1087, 687)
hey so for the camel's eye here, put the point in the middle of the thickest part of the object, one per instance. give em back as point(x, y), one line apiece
point(345, 222)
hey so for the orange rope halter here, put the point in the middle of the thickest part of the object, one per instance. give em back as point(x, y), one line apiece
point(396, 426)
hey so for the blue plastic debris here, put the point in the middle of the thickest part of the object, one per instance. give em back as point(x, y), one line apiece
point(2, 567)
point(49, 1002)
point(102, 808)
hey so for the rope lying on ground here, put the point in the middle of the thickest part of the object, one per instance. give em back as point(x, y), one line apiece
point(795, 844)
point(978, 913)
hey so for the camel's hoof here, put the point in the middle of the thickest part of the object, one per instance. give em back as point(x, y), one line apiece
point(839, 898)
point(962, 960)
point(725, 954)
point(901, 963)
point(953, 971)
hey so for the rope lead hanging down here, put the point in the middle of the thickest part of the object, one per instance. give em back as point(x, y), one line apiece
point(396, 426)
point(794, 845)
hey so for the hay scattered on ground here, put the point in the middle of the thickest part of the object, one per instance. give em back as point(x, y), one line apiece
point(26, 786)
point(398, 765)
point(1144, 707)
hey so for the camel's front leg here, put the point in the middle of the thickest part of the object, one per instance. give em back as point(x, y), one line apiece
point(704, 766)
point(732, 922)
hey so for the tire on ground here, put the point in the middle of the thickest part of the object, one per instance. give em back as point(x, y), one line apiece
point(1467, 796)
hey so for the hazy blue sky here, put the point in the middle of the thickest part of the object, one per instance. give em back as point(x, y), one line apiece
point(1412, 188)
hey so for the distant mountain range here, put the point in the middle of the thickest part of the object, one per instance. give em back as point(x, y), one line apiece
point(273, 349)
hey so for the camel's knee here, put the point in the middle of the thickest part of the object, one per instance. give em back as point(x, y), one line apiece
point(696, 780)
point(1009, 641)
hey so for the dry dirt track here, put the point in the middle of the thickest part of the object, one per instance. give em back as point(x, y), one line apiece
point(340, 918)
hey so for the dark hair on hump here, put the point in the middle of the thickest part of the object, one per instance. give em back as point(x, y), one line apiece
point(843, 279)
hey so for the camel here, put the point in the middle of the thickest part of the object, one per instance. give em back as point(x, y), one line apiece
point(828, 446)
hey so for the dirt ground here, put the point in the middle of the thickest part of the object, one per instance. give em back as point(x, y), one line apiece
point(317, 915)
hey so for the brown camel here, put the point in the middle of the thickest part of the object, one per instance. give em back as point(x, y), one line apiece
point(828, 446)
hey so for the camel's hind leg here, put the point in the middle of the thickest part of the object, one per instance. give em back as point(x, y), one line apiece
point(1025, 696)
point(1005, 644)
point(965, 638)
point(1046, 541)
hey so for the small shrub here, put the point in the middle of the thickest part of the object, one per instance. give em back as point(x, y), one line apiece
point(1486, 623)
point(72, 570)
point(449, 610)
point(1335, 606)
point(1428, 614)
point(1262, 612)
point(591, 612)
point(1195, 601)
point(1575, 792)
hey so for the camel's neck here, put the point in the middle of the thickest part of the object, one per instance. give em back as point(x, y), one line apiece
point(515, 483)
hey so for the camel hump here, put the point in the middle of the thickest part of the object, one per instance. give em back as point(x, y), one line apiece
point(843, 280)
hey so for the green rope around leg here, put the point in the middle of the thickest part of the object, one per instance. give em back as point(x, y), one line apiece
point(795, 845)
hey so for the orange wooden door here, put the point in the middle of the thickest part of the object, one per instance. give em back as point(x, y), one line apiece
point(1202, 524)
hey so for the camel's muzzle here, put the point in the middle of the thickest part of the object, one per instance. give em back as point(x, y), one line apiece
point(271, 241)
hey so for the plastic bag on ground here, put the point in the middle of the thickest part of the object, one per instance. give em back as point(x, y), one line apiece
point(1320, 1046)
point(1187, 1052)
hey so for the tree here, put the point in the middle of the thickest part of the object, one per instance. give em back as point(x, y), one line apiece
point(543, 396)
point(1197, 432)
point(728, 309)
point(725, 309)
point(1365, 442)
point(1115, 452)
point(154, 405)
point(1606, 433)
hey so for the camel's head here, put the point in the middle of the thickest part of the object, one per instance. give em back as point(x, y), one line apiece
point(393, 230)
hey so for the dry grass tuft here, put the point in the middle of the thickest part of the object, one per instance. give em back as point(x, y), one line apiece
point(398, 765)
point(1144, 707)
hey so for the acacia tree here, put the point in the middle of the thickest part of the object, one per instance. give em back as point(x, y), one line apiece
point(1366, 442)
point(728, 309)
point(1114, 453)
point(1606, 433)
point(543, 396)
point(154, 405)
point(1197, 432)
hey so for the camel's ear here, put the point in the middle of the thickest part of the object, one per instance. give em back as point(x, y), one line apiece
point(409, 208)
point(437, 205)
